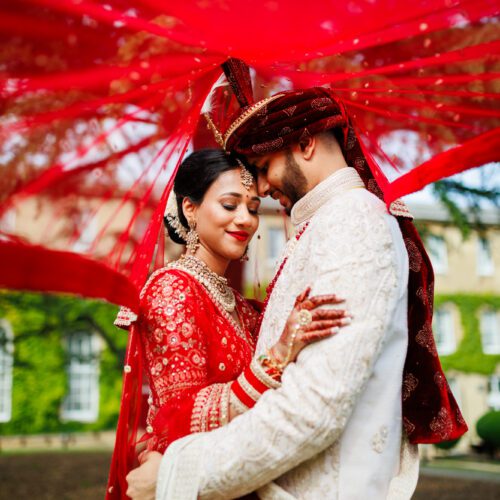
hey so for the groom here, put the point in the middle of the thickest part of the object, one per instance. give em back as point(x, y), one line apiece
point(335, 427)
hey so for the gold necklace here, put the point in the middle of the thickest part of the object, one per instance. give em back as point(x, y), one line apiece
point(216, 285)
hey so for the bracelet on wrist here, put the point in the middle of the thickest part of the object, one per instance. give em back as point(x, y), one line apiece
point(270, 366)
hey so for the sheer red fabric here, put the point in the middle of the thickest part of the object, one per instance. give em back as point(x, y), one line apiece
point(100, 100)
point(192, 350)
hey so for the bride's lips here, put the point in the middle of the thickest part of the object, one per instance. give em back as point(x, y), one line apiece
point(239, 235)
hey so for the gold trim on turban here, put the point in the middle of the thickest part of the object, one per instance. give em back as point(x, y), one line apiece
point(254, 108)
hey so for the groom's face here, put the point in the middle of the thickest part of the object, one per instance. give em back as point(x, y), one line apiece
point(281, 177)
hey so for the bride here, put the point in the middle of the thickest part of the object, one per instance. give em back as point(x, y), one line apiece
point(198, 335)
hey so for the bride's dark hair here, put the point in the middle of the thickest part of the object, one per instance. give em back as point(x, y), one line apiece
point(196, 174)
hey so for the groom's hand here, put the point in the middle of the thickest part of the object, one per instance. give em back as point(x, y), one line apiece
point(142, 481)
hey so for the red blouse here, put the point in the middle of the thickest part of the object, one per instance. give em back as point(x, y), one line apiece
point(194, 351)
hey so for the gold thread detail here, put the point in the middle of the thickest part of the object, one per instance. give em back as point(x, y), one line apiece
point(246, 115)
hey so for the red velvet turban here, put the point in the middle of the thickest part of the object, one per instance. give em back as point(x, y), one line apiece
point(283, 119)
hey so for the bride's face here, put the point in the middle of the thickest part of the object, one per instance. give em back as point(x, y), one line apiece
point(228, 217)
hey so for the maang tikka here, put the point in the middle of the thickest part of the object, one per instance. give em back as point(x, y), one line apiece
point(192, 239)
point(246, 177)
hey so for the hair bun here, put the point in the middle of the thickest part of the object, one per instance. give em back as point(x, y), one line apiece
point(172, 233)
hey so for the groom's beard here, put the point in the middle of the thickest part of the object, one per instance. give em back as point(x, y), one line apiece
point(294, 183)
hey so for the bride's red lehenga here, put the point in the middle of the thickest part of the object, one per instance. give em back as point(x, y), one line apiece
point(194, 350)
point(198, 360)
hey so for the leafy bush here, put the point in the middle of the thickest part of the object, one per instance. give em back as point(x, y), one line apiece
point(447, 445)
point(488, 429)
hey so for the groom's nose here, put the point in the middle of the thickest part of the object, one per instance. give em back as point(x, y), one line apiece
point(263, 186)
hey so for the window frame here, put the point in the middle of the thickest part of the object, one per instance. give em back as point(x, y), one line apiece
point(493, 398)
point(494, 347)
point(82, 376)
point(449, 345)
point(6, 379)
point(439, 260)
point(484, 260)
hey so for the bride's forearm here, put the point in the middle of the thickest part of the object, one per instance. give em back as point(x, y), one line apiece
point(261, 375)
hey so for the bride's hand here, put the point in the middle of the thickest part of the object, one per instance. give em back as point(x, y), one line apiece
point(308, 323)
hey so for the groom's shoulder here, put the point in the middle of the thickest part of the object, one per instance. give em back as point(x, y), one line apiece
point(355, 206)
point(358, 218)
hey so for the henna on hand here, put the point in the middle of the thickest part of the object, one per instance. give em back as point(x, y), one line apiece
point(307, 324)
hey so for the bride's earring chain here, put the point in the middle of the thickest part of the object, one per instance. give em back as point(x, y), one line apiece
point(192, 240)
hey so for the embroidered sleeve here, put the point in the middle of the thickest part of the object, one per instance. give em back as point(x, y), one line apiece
point(255, 380)
point(309, 412)
point(183, 401)
point(175, 351)
point(217, 404)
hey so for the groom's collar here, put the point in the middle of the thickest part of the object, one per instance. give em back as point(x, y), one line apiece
point(342, 180)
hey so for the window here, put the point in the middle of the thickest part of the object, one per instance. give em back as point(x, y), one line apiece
point(436, 245)
point(490, 332)
point(82, 401)
point(444, 331)
point(6, 363)
point(276, 243)
point(484, 258)
point(494, 392)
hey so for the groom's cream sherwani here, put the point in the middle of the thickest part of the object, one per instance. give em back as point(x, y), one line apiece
point(334, 428)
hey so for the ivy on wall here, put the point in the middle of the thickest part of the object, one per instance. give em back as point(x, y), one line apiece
point(40, 323)
point(469, 356)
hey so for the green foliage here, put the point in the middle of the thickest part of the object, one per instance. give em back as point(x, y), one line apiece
point(465, 202)
point(488, 428)
point(40, 324)
point(469, 356)
point(447, 445)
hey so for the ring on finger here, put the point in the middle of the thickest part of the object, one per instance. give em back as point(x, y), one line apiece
point(305, 317)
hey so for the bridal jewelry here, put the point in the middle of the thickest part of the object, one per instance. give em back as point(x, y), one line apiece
point(216, 285)
point(290, 345)
point(172, 216)
point(244, 257)
point(192, 239)
point(245, 175)
point(305, 317)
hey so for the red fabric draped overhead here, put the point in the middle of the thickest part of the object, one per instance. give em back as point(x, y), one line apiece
point(101, 99)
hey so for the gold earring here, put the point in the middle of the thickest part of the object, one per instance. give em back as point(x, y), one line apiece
point(192, 239)
point(244, 257)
